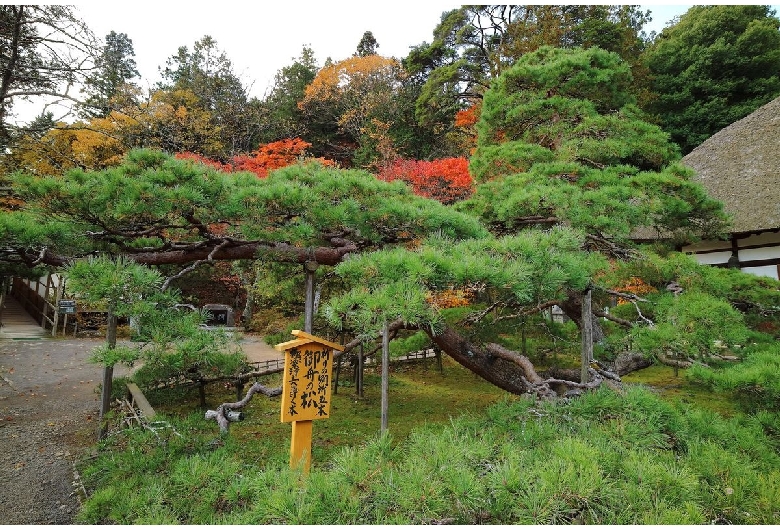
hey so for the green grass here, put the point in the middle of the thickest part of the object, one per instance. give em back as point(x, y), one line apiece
point(459, 451)
point(418, 394)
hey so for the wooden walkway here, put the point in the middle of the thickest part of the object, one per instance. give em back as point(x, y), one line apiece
point(16, 323)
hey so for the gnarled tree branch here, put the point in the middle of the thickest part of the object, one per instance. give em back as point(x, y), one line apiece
point(222, 414)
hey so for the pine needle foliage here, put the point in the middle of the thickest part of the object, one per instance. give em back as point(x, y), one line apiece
point(601, 459)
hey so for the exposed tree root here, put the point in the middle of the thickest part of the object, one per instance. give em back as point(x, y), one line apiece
point(498, 365)
point(628, 362)
point(225, 413)
point(514, 372)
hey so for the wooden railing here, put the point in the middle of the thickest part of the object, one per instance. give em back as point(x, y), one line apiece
point(30, 300)
point(269, 366)
point(41, 307)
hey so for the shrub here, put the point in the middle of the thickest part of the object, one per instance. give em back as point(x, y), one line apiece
point(607, 458)
point(692, 325)
point(754, 380)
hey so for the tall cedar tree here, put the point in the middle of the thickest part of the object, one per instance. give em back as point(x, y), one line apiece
point(114, 68)
point(716, 65)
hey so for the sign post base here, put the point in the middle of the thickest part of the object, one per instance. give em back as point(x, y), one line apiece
point(300, 445)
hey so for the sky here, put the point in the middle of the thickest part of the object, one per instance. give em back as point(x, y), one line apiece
point(261, 38)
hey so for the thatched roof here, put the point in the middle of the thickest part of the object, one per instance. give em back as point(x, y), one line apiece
point(740, 166)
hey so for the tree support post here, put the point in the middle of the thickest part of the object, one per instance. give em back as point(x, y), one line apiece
point(359, 379)
point(108, 373)
point(309, 268)
point(587, 335)
point(385, 374)
point(105, 399)
point(338, 374)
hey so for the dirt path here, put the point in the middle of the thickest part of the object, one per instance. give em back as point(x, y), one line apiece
point(48, 418)
point(49, 405)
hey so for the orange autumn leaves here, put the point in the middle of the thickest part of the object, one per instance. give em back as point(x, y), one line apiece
point(265, 158)
point(449, 298)
point(635, 286)
point(274, 156)
point(447, 180)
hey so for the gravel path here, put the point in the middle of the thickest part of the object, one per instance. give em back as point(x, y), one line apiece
point(48, 419)
point(49, 405)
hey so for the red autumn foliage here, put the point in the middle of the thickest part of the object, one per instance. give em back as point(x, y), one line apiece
point(266, 158)
point(466, 121)
point(447, 180)
point(467, 117)
point(271, 156)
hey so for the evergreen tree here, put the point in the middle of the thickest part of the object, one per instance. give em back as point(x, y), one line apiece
point(281, 116)
point(114, 68)
point(367, 45)
point(569, 169)
point(716, 65)
point(207, 72)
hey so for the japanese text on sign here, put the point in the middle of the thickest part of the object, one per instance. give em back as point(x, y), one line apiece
point(306, 384)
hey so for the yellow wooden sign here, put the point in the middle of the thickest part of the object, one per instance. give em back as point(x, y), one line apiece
point(306, 386)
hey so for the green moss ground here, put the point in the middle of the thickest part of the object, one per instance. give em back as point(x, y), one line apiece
point(419, 394)
point(673, 386)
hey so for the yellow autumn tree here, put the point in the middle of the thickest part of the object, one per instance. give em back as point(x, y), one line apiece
point(90, 145)
point(174, 121)
point(171, 120)
point(354, 102)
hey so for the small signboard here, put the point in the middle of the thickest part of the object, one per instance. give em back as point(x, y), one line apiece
point(67, 307)
point(308, 365)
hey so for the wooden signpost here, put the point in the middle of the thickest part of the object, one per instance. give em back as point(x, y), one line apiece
point(308, 365)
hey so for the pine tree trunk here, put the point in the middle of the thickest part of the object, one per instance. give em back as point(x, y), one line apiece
point(572, 308)
point(108, 373)
point(501, 372)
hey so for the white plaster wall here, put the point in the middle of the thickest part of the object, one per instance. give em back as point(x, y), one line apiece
point(752, 254)
point(766, 270)
point(713, 258)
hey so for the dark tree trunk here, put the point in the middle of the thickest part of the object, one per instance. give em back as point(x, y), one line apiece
point(108, 373)
point(505, 374)
point(282, 252)
point(338, 374)
point(513, 372)
point(360, 368)
point(202, 393)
